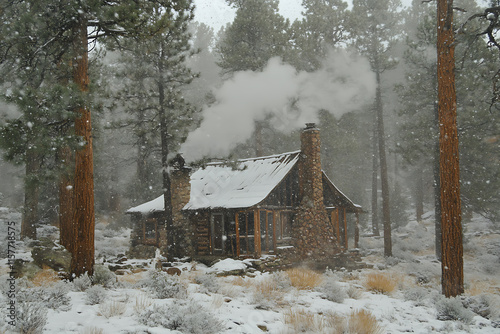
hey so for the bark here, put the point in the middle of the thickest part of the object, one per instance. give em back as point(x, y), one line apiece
point(31, 195)
point(83, 216)
point(419, 194)
point(451, 248)
point(386, 210)
point(66, 237)
point(375, 228)
point(437, 186)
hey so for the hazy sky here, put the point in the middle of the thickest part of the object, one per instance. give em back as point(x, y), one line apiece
point(217, 13)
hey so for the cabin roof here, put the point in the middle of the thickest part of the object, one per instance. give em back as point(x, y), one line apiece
point(242, 184)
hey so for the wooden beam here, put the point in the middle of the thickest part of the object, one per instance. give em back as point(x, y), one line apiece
point(237, 221)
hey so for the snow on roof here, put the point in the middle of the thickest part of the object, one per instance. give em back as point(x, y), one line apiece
point(244, 184)
point(158, 204)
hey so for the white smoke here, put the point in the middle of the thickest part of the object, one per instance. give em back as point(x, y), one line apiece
point(282, 96)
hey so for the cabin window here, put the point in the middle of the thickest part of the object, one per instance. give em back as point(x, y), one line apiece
point(284, 225)
point(217, 233)
point(246, 230)
point(266, 230)
point(150, 231)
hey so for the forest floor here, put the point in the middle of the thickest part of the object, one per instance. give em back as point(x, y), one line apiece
point(400, 294)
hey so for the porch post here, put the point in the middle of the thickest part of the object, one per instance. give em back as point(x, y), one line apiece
point(256, 220)
point(237, 221)
point(356, 231)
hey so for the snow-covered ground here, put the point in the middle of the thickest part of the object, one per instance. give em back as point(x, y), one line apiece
point(200, 301)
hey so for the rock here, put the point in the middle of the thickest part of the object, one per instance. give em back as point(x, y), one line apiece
point(173, 271)
point(51, 255)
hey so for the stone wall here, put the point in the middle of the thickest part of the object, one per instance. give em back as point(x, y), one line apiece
point(313, 234)
point(182, 228)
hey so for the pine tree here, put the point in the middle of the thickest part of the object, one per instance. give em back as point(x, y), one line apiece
point(374, 25)
point(154, 95)
point(53, 37)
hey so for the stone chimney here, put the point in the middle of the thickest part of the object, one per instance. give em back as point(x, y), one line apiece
point(313, 233)
point(180, 188)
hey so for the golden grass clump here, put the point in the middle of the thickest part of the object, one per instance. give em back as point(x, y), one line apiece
point(301, 320)
point(304, 279)
point(45, 277)
point(380, 283)
point(112, 309)
point(142, 302)
point(363, 322)
point(92, 330)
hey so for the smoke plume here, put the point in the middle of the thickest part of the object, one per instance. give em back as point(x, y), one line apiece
point(287, 99)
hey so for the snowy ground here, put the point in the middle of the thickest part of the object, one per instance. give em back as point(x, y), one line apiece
point(199, 301)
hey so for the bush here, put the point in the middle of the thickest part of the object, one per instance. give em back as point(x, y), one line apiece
point(417, 295)
point(54, 296)
point(380, 283)
point(112, 309)
point(31, 317)
point(304, 279)
point(162, 285)
point(453, 309)
point(103, 276)
point(185, 317)
point(208, 283)
point(331, 289)
point(363, 322)
point(82, 283)
point(95, 295)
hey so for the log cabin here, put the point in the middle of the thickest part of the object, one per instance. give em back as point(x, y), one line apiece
point(282, 203)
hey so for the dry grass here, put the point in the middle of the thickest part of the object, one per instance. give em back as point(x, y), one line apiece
point(217, 301)
point(304, 279)
point(267, 294)
point(131, 278)
point(240, 281)
point(112, 309)
point(45, 277)
point(302, 321)
point(380, 283)
point(142, 302)
point(477, 288)
point(363, 322)
point(92, 330)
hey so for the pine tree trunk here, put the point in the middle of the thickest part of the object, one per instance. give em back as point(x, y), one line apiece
point(419, 194)
point(386, 209)
point(66, 237)
point(83, 216)
point(437, 185)
point(31, 195)
point(375, 228)
point(452, 249)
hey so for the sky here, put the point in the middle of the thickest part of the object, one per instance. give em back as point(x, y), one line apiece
point(216, 13)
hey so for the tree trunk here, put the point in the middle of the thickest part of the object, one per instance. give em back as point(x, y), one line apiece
point(31, 195)
point(451, 248)
point(83, 216)
point(66, 236)
point(167, 193)
point(375, 228)
point(386, 209)
point(437, 185)
point(419, 194)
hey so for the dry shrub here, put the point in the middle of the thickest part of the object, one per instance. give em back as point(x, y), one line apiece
point(240, 281)
point(131, 278)
point(92, 330)
point(304, 279)
point(336, 324)
point(267, 294)
point(112, 309)
point(300, 320)
point(363, 322)
point(46, 277)
point(380, 283)
point(477, 288)
point(142, 302)
point(217, 301)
